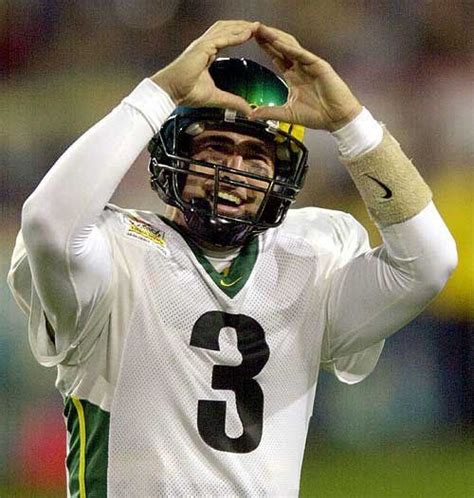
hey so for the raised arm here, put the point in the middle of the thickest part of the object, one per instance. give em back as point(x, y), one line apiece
point(378, 292)
point(68, 255)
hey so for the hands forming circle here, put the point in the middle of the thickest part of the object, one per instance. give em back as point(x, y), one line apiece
point(318, 98)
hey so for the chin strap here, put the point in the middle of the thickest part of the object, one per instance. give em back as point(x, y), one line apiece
point(214, 231)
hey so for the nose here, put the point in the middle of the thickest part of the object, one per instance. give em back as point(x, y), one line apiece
point(235, 161)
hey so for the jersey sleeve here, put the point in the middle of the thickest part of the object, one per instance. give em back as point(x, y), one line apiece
point(349, 241)
point(62, 269)
point(74, 342)
point(372, 293)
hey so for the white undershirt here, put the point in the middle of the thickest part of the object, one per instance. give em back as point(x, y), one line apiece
point(220, 263)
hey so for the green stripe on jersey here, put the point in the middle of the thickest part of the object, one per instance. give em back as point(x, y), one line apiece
point(88, 428)
point(232, 281)
point(239, 272)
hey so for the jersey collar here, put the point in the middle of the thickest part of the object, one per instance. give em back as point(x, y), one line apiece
point(234, 278)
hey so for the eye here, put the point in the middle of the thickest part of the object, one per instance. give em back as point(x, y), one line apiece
point(260, 167)
point(207, 146)
point(219, 148)
point(210, 152)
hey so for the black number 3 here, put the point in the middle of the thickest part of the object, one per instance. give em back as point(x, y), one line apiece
point(240, 379)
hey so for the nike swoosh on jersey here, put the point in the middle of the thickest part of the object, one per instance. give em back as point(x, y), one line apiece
point(230, 284)
point(388, 191)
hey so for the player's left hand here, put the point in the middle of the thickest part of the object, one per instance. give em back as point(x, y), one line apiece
point(318, 98)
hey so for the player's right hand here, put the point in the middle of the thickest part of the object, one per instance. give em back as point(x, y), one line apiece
point(187, 80)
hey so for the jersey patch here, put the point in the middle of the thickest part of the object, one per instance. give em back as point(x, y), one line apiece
point(149, 234)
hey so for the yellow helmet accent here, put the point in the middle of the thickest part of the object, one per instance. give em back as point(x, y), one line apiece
point(294, 130)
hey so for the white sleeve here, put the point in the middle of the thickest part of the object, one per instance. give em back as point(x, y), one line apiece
point(381, 290)
point(359, 136)
point(68, 256)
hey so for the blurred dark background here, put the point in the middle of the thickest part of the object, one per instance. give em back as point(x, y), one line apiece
point(408, 429)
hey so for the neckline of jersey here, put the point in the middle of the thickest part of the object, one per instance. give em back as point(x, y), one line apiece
point(233, 279)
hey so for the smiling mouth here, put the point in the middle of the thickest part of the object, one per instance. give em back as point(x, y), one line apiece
point(228, 199)
point(228, 203)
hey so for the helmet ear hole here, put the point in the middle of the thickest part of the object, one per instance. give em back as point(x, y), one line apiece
point(154, 144)
point(160, 153)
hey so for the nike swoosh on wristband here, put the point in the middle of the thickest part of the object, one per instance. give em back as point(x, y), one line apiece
point(231, 283)
point(388, 191)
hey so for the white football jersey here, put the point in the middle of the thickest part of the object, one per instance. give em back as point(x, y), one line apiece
point(187, 382)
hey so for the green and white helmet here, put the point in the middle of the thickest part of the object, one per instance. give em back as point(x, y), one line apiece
point(170, 156)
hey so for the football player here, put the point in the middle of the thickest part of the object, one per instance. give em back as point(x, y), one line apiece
point(188, 345)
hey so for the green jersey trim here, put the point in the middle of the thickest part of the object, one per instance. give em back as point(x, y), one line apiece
point(234, 278)
point(88, 428)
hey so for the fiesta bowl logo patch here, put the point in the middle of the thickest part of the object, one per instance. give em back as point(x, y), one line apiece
point(146, 233)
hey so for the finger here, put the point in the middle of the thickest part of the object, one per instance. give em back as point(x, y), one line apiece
point(280, 61)
point(226, 27)
point(228, 100)
point(282, 64)
point(278, 113)
point(212, 45)
point(287, 45)
point(267, 46)
point(232, 39)
point(294, 53)
point(279, 44)
point(272, 34)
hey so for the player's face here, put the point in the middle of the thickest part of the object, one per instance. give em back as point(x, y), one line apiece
point(242, 153)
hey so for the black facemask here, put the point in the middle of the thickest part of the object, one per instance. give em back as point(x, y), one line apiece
point(202, 227)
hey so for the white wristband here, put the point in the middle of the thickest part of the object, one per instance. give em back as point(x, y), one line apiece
point(359, 136)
